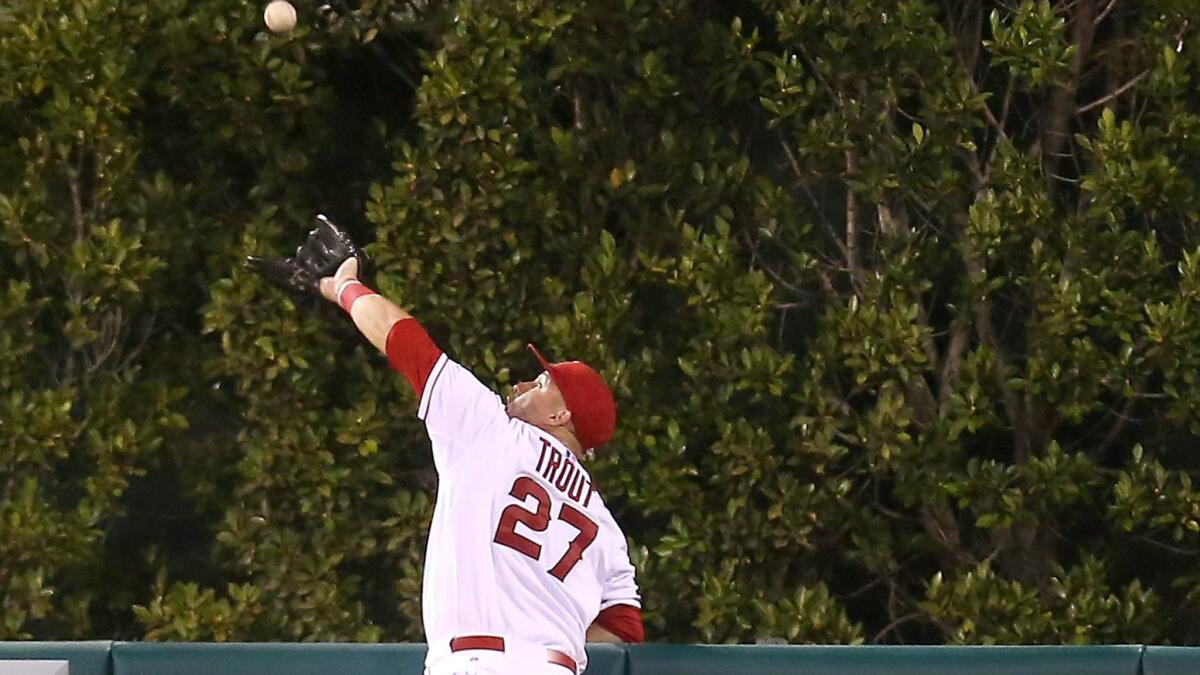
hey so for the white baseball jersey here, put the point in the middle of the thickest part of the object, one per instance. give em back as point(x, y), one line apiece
point(521, 545)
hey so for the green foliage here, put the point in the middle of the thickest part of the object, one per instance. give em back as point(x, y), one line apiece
point(1033, 44)
point(1075, 607)
point(898, 299)
point(84, 401)
point(186, 613)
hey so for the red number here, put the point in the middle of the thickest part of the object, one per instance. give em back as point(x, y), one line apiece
point(538, 521)
point(587, 534)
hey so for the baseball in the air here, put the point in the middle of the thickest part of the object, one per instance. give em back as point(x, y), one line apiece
point(280, 16)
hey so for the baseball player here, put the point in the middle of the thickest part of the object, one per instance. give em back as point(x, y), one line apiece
point(524, 561)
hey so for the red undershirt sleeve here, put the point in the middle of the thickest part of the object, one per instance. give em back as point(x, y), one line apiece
point(412, 353)
point(624, 621)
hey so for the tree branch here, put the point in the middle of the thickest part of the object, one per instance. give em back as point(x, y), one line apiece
point(851, 249)
point(1104, 13)
point(1167, 547)
point(1108, 97)
point(800, 180)
point(976, 272)
point(960, 338)
point(578, 110)
point(907, 618)
point(106, 345)
point(1110, 438)
point(73, 176)
point(1061, 104)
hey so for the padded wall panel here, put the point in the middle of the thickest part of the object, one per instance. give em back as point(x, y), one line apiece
point(85, 658)
point(151, 658)
point(841, 660)
point(1171, 661)
point(604, 659)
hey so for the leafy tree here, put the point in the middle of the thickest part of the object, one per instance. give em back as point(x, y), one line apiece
point(956, 401)
point(143, 145)
point(897, 299)
point(992, 330)
point(87, 394)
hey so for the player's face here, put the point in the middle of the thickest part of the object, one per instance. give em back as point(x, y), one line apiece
point(536, 401)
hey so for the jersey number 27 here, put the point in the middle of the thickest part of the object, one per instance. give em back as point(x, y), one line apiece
point(538, 521)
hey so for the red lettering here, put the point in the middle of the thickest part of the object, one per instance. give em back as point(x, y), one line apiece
point(576, 490)
point(552, 468)
point(537, 521)
point(542, 457)
point(587, 534)
point(565, 476)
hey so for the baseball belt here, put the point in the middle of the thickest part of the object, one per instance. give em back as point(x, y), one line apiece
point(495, 643)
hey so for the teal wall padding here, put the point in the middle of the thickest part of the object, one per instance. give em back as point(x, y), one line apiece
point(1171, 661)
point(86, 658)
point(606, 660)
point(149, 658)
point(843, 660)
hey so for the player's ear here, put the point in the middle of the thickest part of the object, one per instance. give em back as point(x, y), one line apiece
point(562, 418)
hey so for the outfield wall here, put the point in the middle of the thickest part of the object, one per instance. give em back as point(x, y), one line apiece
point(156, 658)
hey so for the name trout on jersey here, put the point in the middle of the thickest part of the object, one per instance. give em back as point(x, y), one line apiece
point(564, 474)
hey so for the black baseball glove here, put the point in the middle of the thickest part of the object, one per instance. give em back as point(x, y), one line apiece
point(325, 249)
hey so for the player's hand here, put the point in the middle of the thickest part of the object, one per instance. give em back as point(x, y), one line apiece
point(320, 256)
point(330, 285)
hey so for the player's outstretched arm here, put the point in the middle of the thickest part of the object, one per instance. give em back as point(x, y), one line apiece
point(618, 623)
point(407, 346)
point(373, 314)
point(597, 634)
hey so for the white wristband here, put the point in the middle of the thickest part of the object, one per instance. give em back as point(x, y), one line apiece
point(343, 286)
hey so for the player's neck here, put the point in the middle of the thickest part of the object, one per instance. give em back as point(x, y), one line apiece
point(567, 438)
